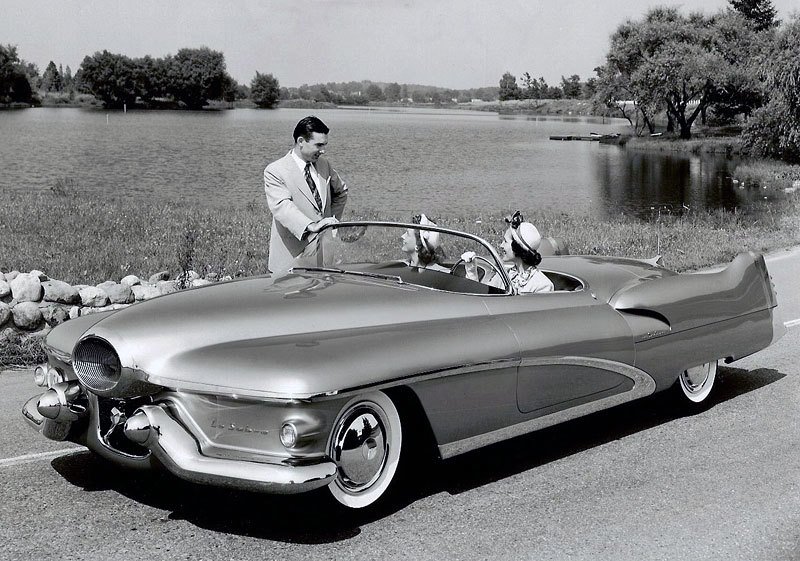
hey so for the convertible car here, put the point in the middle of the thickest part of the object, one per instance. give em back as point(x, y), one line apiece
point(325, 376)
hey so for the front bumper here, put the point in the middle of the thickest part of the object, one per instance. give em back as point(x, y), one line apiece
point(152, 427)
point(154, 430)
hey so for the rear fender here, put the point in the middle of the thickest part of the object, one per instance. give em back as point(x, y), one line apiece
point(687, 301)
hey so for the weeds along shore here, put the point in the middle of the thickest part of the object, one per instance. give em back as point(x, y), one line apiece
point(82, 239)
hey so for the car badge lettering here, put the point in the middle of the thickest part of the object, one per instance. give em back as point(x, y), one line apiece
point(233, 427)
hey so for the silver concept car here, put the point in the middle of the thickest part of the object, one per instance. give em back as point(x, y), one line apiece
point(326, 376)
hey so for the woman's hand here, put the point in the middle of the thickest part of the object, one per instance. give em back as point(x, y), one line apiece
point(470, 267)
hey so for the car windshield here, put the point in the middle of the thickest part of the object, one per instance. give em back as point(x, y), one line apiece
point(430, 257)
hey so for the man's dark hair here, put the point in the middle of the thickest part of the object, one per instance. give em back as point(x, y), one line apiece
point(308, 126)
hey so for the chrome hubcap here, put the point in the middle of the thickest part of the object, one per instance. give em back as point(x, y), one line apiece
point(360, 448)
point(695, 378)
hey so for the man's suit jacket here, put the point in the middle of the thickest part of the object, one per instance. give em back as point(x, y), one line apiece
point(293, 206)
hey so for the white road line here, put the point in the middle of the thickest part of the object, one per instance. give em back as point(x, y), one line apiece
point(28, 458)
point(791, 323)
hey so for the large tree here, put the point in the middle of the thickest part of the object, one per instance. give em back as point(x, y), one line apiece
point(112, 78)
point(774, 130)
point(673, 62)
point(14, 83)
point(51, 79)
point(760, 12)
point(571, 86)
point(198, 75)
point(508, 87)
point(265, 90)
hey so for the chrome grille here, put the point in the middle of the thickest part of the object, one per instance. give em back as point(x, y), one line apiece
point(96, 364)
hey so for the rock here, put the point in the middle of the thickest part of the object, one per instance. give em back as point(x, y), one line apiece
point(226, 278)
point(5, 289)
point(105, 284)
point(11, 275)
point(167, 287)
point(5, 313)
point(54, 314)
point(40, 275)
point(119, 294)
point(93, 296)
point(74, 312)
point(2, 276)
point(213, 277)
point(26, 288)
point(130, 280)
point(27, 315)
point(160, 276)
point(145, 291)
point(79, 287)
point(200, 282)
point(60, 291)
point(191, 275)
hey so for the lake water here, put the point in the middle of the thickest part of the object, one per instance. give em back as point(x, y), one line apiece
point(406, 161)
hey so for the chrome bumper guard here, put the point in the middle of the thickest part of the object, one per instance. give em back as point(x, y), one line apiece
point(152, 427)
point(32, 415)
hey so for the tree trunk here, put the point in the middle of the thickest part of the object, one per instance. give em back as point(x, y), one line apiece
point(670, 122)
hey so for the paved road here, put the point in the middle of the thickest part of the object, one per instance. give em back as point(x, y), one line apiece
point(635, 482)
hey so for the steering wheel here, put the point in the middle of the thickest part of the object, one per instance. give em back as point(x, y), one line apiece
point(491, 266)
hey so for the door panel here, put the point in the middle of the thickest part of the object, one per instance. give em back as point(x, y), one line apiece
point(573, 349)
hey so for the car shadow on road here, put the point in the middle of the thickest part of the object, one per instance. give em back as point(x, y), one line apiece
point(313, 519)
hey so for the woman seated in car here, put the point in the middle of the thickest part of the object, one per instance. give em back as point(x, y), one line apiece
point(422, 246)
point(521, 258)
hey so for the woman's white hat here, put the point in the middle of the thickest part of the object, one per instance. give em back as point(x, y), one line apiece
point(527, 236)
point(524, 233)
point(430, 240)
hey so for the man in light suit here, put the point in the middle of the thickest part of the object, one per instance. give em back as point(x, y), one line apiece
point(304, 193)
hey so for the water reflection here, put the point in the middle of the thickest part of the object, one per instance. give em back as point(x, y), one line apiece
point(643, 183)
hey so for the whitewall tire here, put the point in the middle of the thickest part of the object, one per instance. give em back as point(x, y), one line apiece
point(365, 445)
point(697, 382)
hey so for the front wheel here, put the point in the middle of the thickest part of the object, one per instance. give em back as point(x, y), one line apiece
point(694, 385)
point(365, 445)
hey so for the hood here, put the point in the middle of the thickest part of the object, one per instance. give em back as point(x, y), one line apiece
point(298, 335)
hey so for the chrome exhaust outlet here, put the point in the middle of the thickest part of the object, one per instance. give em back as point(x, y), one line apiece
point(64, 402)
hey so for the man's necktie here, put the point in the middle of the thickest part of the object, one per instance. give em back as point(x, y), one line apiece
point(313, 186)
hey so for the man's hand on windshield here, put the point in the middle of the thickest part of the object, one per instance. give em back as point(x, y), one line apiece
point(315, 227)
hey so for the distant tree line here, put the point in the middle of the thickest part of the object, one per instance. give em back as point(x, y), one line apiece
point(537, 88)
point(365, 92)
point(191, 78)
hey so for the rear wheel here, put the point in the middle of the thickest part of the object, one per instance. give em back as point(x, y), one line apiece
point(694, 385)
point(365, 445)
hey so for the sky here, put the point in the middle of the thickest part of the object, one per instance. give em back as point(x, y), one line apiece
point(457, 44)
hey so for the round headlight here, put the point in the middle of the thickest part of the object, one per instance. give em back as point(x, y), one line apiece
point(96, 364)
point(288, 435)
point(39, 376)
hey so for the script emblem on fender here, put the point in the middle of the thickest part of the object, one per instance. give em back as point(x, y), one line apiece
point(236, 428)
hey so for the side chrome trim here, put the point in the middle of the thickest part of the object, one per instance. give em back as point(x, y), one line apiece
point(208, 389)
point(643, 385)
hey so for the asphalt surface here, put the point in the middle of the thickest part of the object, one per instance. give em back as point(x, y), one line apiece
point(635, 482)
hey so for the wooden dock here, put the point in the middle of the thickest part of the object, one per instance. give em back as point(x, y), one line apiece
point(591, 137)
